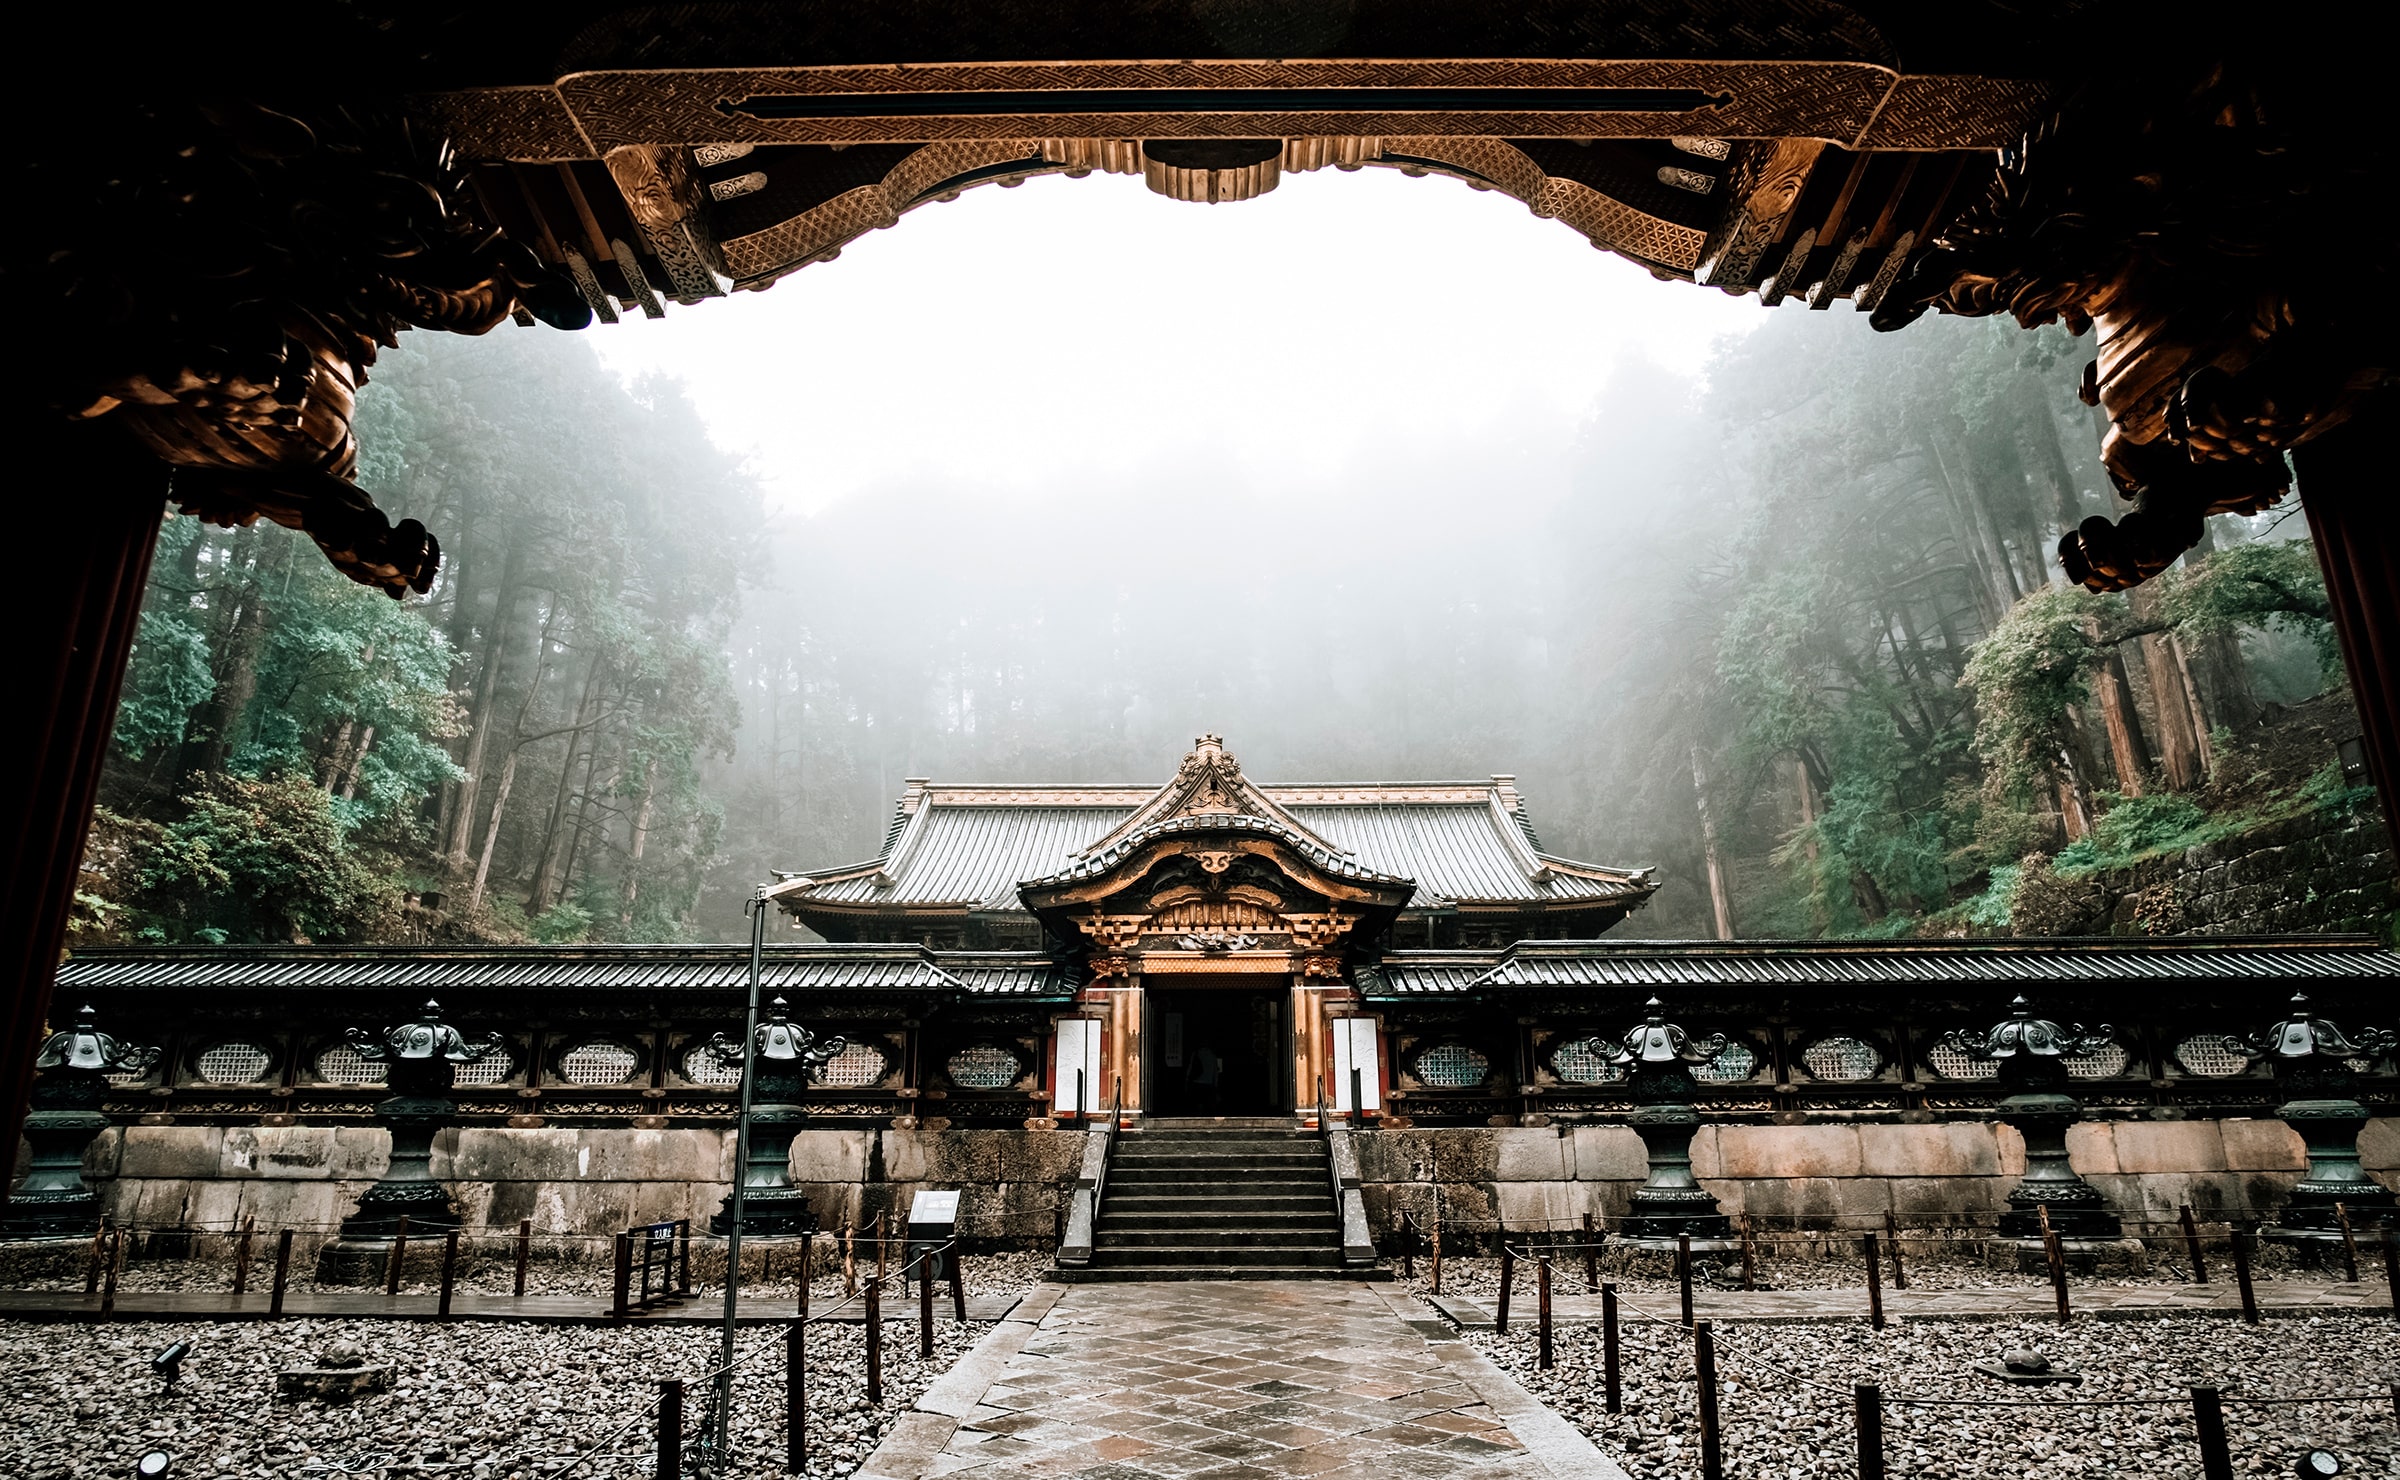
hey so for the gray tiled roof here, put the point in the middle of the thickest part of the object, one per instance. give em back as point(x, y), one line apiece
point(1457, 847)
point(1652, 964)
point(446, 969)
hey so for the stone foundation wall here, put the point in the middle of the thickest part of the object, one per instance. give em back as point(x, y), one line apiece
point(2307, 875)
point(594, 1182)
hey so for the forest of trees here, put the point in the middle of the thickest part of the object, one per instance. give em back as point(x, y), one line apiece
point(1796, 637)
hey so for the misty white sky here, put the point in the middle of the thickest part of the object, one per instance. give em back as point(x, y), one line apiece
point(1070, 334)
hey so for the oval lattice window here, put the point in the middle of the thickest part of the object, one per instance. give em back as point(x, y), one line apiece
point(702, 1066)
point(235, 1063)
point(342, 1064)
point(1452, 1066)
point(1585, 1061)
point(1842, 1059)
point(1737, 1062)
point(598, 1063)
point(855, 1067)
point(493, 1068)
point(984, 1066)
point(2213, 1056)
point(2105, 1062)
point(1952, 1064)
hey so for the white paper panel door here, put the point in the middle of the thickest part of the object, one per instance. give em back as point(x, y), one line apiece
point(1078, 1049)
point(1354, 1047)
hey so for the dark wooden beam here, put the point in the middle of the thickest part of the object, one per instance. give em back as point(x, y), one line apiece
point(2345, 479)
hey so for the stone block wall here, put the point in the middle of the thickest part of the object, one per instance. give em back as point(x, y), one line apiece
point(590, 1183)
point(2312, 874)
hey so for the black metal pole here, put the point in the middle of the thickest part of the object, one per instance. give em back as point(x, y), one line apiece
point(1508, 1275)
point(958, 1284)
point(670, 1429)
point(1869, 1401)
point(524, 1252)
point(1591, 1255)
point(1541, 1277)
point(2208, 1415)
point(283, 1272)
point(1613, 1390)
point(2341, 1216)
point(1891, 1233)
point(1874, 1285)
point(925, 1306)
point(1683, 1274)
point(449, 1273)
point(1704, 1366)
point(2391, 1266)
point(2241, 1278)
point(2191, 1243)
point(795, 1398)
point(874, 1304)
point(721, 1401)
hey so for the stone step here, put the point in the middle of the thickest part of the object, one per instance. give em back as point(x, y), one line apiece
point(1129, 1219)
point(1215, 1157)
point(1115, 1257)
point(1223, 1237)
point(1145, 1274)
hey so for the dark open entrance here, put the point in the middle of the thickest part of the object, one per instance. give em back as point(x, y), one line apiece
point(1220, 1050)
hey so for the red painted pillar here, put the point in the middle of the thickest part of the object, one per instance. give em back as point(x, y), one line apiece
point(2349, 489)
point(81, 520)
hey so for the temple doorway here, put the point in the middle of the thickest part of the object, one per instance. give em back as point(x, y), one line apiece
point(1220, 1049)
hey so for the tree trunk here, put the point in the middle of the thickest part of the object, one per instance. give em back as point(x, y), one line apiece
point(1977, 541)
point(208, 744)
point(358, 759)
point(2181, 762)
point(505, 602)
point(2128, 752)
point(491, 832)
point(639, 841)
point(545, 873)
point(1719, 900)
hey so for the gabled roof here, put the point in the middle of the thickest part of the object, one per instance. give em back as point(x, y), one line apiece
point(1463, 843)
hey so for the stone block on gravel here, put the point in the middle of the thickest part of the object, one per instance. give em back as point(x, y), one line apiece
point(830, 1156)
point(1927, 1151)
point(2167, 1147)
point(1535, 1155)
point(2262, 1146)
point(177, 1151)
point(1785, 1151)
point(1613, 1153)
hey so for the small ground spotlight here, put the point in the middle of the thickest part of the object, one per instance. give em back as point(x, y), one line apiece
point(2317, 1462)
point(168, 1364)
point(156, 1463)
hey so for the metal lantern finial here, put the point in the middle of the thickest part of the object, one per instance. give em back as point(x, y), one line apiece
point(784, 1043)
point(2301, 1034)
point(426, 1038)
point(85, 1047)
point(1657, 1041)
point(2022, 1035)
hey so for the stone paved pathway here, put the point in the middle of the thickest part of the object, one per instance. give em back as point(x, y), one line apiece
point(1260, 1380)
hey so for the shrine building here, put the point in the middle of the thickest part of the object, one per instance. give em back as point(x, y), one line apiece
point(1216, 931)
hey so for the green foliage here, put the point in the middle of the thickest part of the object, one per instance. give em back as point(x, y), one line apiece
point(257, 860)
point(1990, 909)
point(2026, 674)
point(563, 924)
point(2135, 827)
point(2326, 791)
point(2267, 585)
point(168, 675)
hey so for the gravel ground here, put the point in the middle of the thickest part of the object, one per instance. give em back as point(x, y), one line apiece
point(1932, 1264)
point(1777, 1427)
point(479, 1401)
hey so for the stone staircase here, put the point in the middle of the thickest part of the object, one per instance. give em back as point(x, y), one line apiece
point(1224, 1202)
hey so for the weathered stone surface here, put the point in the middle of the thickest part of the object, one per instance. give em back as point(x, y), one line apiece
point(2149, 1147)
point(1614, 1153)
point(2261, 1145)
point(1541, 1155)
point(1783, 1151)
point(1927, 1151)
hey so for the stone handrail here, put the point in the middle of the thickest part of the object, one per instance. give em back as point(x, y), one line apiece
point(1083, 1213)
point(1358, 1246)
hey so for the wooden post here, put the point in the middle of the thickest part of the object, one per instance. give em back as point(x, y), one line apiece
point(2341, 1216)
point(1437, 1249)
point(1541, 1280)
point(670, 1429)
point(683, 1270)
point(391, 1272)
point(2191, 1244)
point(958, 1284)
point(1874, 1285)
point(93, 1262)
point(795, 1394)
point(241, 1256)
point(1683, 1274)
point(1612, 1390)
point(116, 1263)
point(2208, 1416)
point(449, 1273)
point(2391, 1266)
point(1704, 1365)
point(849, 1260)
point(2056, 1253)
point(925, 1307)
point(1891, 1233)
point(524, 1252)
point(1591, 1254)
point(1404, 1233)
point(1868, 1399)
point(1748, 1254)
point(622, 1306)
point(1508, 1277)
point(2241, 1279)
point(883, 1242)
point(874, 1302)
point(283, 1272)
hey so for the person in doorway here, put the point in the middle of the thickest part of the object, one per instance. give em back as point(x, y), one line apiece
point(1203, 1077)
